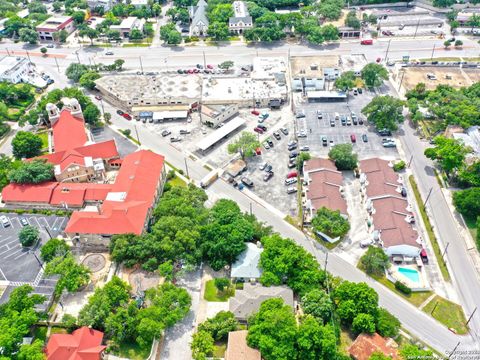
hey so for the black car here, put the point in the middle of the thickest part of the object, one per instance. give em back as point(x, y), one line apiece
point(270, 142)
point(360, 121)
point(263, 127)
point(199, 66)
point(120, 112)
point(268, 176)
point(359, 90)
point(180, 71)
point(166, 133)
point(403, 192)
point(384, 132)
point(268, 168)
point(293, 154)
point(364, 138)
point(292, 147)
point(277, 135)
point(452, 39)
point(247, 182)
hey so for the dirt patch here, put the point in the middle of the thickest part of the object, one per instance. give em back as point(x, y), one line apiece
point(473, 74)
point(95, 262)
point(141, 280)
point(445, 76)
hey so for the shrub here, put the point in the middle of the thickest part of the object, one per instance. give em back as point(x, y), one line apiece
point(171, 175)
point(222, 283)
point(29, 235)
point(402, 288)
point(398, 166)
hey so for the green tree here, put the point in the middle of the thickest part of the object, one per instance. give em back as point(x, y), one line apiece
point(6, 165)
point(221, 13)
point(318, 304)
point(218, 31)
point(170, 35)
point(28, 35)
point(33, 351)
point(113, 35)
point(470, 175)
point(378, 355)
point(353, 299)
point(118, 64)
point(61, 36)
point(346, 81)
point(226, 65)
point(57, 6)
point(375, 261)
point(32, 172)
point(245, 145)
point(344, 157)
point(43, 50)
point(301, 158)
point(78, 17)
point(410, 351)
point(136, 34)
point(53, 248)
point(273, 330)
point(36, 8)
point(91, 114)
point(329, 32)
point(374, 74)
point(387, 324)
point(363, 323)
point(448, 152)
point(458, 43)
point(331, 9)
point(467, 202)
point(220, 325)
point(202, 345)
point(352, 21)
point(73, 276)
point(315, 35)
point(90, 33)
point(26, 145)
point(121, 324)
point(315, 341)
point(75, 71)
point(222, 283)
point(330, 222)
point(385, 112)
point(166, 270)
point(447, 44)
point(28, 235)
point(87, 80)
point(69, 322)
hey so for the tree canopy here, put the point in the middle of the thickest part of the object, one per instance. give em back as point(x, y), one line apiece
point(53, 248)
point(28, 235)
point(31, 172)
point(343, 156)
point(467, 202)
point(385, 112)
point(346, 81)
point(448, 152)
point(318, 304)
point(245, 145)
point(374, 74)
point(330, 222)
point(375, 261)
point(26, 145)
point(73, 276)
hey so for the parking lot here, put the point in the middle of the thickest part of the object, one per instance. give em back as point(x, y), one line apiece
point(316, 128)
point(124, 145)
point(18, 264)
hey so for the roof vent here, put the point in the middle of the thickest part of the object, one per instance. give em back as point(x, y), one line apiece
point(132, 177)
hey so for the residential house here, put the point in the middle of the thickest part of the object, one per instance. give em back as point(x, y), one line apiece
point(391, 217)
point(247, 268)
point(53, 25)
point(198, 19)
point(128, 25)
point(471, 138)
point(238, 349)
point(214, 115)
point(365, 345)
point(248, 301)
point(106, 5)
point(241, 19)
point(324, 187)
point(83, 343)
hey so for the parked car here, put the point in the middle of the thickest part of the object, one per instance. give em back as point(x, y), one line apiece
point(360, 121)
point(268, 176)
point(360, 91)
point(98, 97)
point(292, 174)
point(290, 181)
point(109, 53)
point(384, 132)
point(302, 133)
point(389, 144)
point(366, 242)
point(353, 138)
point(258, 130)
point(343, 120)
point(263, 127)
point(4, 220)
point(270, 142)
point(247, 182)
point(293, 154)
point(364, 138)
point(291, 190)
point(255, 112)
point(291, 165)
point(284, 131)
point(355, 92)
point(23, 221)
point(324, 141)
point(263, 166)
point(403, 192)
point(332, 122)
point(184, 132)
point(266, 146)
point(50, 46)
point(120, 112)
point(349, 121)
point(277, 136)
point(319, 114)
point(50, 81)
point(423, 256)
point(292, 147)
point(166, 133)
point(175, 139)
point(127, 116)
point(305, 148)
point(300, 114)
point(268, 168)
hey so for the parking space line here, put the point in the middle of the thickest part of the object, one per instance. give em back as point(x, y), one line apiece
point(10, 255)
point(21, 255)
point(6, 238)
point(3, 275)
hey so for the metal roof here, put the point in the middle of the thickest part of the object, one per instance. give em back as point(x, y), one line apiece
point(220, 133)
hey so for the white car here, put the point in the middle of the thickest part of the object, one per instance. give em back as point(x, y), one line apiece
point(4, 220)
point(366, 242)
point(302, 133)
point(305, 148)
point(263, 166)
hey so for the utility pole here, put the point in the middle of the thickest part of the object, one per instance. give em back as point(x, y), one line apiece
point(78, 57)
point(141, 65)
point(38, 260)
point(186, 168)
point(445, 251)
point(388, 48)
point(428, 197)
point(56, 62)
point(453, 351)
point(204, 61)
point(48, 232)
point(470, 317)
point(411, 158)
point(29, 60)
point(433, 50)
point(401, 80)
point(8, 52)
point(136, 132)
point(416, 29)
point(103, 109)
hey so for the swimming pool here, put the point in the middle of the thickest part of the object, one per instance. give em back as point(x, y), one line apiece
point(410, 274)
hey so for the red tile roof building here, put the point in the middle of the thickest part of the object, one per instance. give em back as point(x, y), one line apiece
point(107, 209)
point(82, 344)
point(390, 214)
point(325, 186)
point(365, 345)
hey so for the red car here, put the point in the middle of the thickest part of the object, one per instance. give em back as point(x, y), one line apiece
point(190, 71)
point(258, 130)
point(196, 71)
point(378, 60)
point(209, 66)
point(292, 174)
point(127, 116)
point(255, 112)
point(98, 97)
point(353, 138)
point(366, 42)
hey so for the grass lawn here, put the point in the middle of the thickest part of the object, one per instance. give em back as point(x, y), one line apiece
point(176, 181)
point(40, 332)
point(472, 226)
point(58, 330)
point(346, 339)
point(132, 351)
point(431, 234)
point(212, 294)
point(448, 313)
point(220, 348)
point(44, 137)
point(415, 298)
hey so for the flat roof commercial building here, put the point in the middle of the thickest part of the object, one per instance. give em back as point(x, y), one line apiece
point(54, 24)
point(13, 69)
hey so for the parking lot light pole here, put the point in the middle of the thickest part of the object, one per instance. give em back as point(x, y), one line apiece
point(433, 50)
point(38, 260)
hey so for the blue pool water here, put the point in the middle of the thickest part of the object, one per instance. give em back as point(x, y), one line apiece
point(411, 274)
